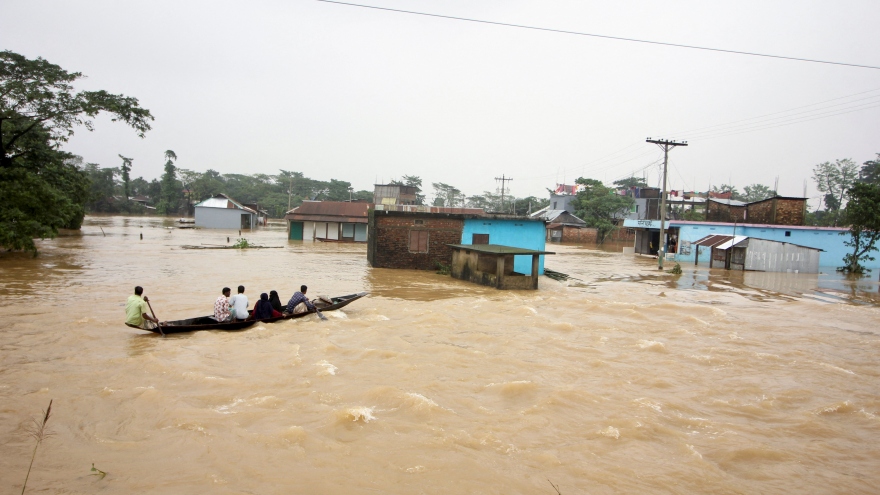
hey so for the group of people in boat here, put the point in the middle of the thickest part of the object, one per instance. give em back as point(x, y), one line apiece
point(226, 308)
point(269, 305)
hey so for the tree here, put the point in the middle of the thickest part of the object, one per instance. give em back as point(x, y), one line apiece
point(835, 180)
point(43, 190)
point(600, 207)
point(863, 216)
point(126, 178)
point(757, 192)
point(170, 201)
point(630, 182)
point(870, 171)
point(446, 195)
point(37, 96)
point(102, 187)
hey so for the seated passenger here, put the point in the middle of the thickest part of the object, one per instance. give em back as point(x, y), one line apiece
point(239, 304)
point(276, 301)
point(263, 309)
point(221, 306)
point(299, 303)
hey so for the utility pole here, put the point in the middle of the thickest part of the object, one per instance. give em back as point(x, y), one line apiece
point(666, 145)
point(503, 179)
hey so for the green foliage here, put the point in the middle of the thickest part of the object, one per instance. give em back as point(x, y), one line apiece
point(43, 188)
point(97, 472)
point(757, 192)
point(835, 180)
point(241, 243)
point(630, 182)
point(693, 215)
point(870, 171)
point(446, 195)
point(171, 187)
point(601, 207)
point(675, 270)
point(442, 269)
point(863, 216)
point(36, 94)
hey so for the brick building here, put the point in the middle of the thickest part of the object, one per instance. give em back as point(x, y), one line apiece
point(777, 211)
point(725, 210)
point(414, 240)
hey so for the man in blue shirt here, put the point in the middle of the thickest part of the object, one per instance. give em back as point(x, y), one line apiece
point(299, 303)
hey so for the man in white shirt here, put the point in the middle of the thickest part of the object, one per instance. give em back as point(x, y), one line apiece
point(238, 304)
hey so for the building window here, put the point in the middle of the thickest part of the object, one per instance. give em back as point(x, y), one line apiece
point(419, 222)
point(480, 239)
point(418, 241)
point(787, 233)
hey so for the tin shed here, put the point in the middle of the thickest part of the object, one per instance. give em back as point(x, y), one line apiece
point(223, 212)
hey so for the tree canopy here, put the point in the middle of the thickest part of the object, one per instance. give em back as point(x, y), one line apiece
point(44, 188)
point(835, 180)
point(601, 207)
point(863, 216)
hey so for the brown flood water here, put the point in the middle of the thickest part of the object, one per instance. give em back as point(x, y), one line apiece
point(625, 380)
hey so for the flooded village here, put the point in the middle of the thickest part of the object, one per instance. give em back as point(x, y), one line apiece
point(426, 247)
point(617, 378)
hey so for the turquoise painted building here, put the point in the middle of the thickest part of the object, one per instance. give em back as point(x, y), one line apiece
point(685, 233)
point(516, 232)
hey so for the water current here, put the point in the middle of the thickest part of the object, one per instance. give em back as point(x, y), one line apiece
point(622, 379)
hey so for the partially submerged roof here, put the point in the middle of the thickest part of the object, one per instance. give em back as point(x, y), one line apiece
point(725, 242)
point(497, 249)
point(329, 211)
point(224, 201)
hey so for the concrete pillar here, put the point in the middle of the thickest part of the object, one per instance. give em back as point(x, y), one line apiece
point(499, 270)
point(535, 264)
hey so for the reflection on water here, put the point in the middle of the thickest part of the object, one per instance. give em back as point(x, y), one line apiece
point(623, 379)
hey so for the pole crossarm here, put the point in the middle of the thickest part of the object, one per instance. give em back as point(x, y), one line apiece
point(666, 144)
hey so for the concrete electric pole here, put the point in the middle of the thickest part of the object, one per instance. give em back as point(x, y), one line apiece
point(666, 145)
point(503, 179)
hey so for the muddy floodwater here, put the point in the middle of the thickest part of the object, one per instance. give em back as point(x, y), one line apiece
point(621, 379)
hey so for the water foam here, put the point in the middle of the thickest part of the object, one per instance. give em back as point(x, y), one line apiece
point(610, 432)
point(329, 369)
point(652, 345)
point(837, 368)
point(360, 413)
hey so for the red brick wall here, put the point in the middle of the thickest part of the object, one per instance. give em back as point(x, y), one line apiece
point(719, 212)
point(777, 211)
point(388, 239)
point(589, 235)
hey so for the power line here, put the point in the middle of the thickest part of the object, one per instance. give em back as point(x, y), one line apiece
point(784, 111)
point(618, 38)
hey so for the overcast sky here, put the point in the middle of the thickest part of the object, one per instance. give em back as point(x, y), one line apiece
point(367, 96)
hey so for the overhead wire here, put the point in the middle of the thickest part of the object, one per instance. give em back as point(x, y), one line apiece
point(617, 38)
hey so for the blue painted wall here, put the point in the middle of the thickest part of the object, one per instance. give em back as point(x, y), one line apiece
point(815, 237)
point(526, 234)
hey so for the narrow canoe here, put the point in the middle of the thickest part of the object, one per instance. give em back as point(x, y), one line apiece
point(209, 323)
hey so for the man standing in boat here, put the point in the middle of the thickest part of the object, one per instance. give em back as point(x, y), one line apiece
point(299, 303)
point(221, 306)
point(136, 315)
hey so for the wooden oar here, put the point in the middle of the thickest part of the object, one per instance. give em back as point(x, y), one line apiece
point(320, 315)
point(157, 319)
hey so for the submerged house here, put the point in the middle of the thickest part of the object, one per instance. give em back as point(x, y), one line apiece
point(223, 212)
point(564, 226)
point(422, 239)
point(328, 221)
point(493, 265)
point(749, 253)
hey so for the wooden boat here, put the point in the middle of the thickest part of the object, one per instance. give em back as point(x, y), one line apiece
point(209, 323)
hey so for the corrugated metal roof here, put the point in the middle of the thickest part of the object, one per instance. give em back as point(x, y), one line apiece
point(329, 211)
point(224, 201)
point(713, 240)
point(731, 202)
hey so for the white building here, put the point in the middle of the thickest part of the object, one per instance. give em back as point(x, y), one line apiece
point(223, 212)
